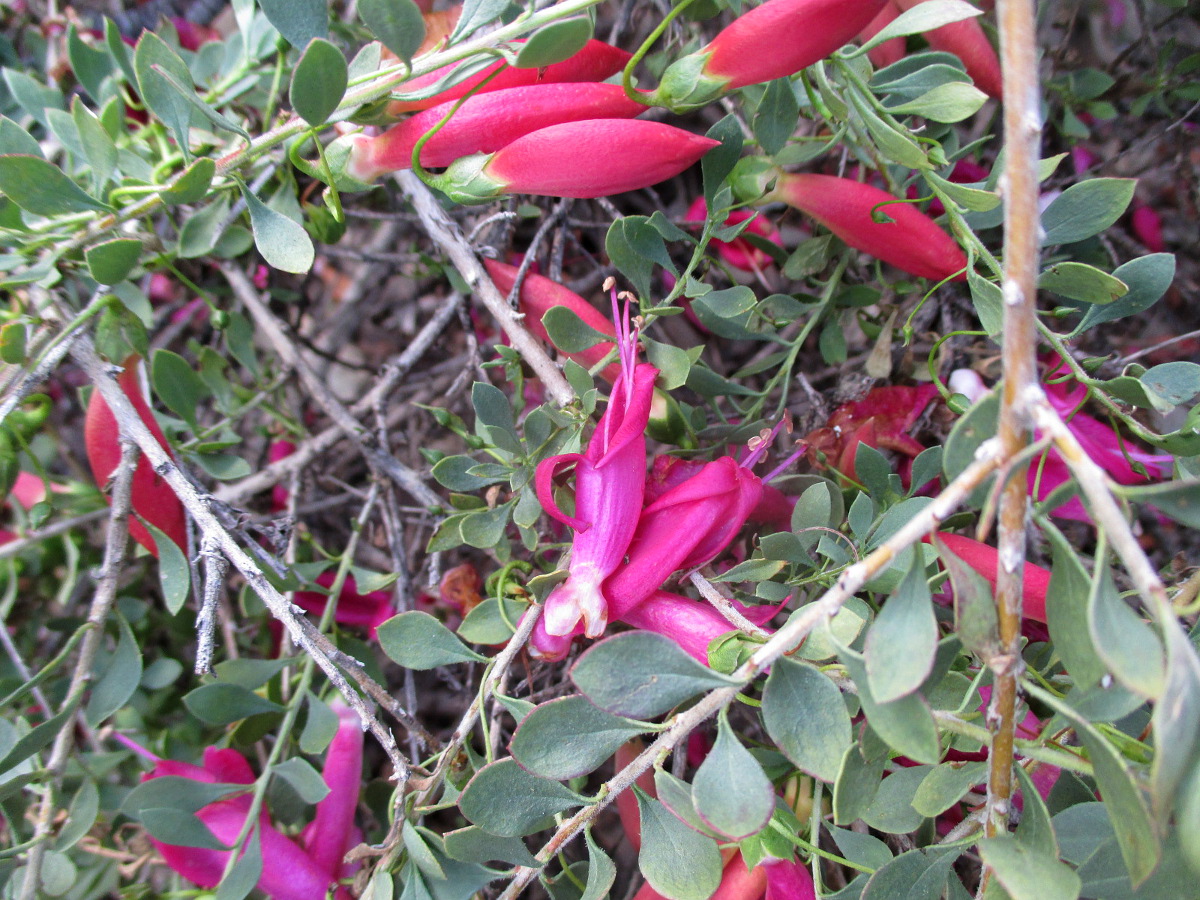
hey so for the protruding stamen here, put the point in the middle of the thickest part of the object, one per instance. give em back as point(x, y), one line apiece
point(786, 464)
point(760, 443)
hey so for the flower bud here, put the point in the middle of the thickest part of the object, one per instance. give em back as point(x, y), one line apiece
point(774, 40)
point(591, 158)
point(485, 123)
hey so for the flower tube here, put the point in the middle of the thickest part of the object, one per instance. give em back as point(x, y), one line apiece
point(596, 61)
point(774, 40)
point(484, 123)
point(590, 158)
point(985, 561)
point(910, 241)
point(609, 480)
point(691, 624)
point(152, 498)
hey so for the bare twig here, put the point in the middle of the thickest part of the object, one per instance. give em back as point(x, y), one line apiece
point(449, 237)
point(310, 449)
point(1022, 139)
point(102, 602)
point(269, 325)
point(215, 567)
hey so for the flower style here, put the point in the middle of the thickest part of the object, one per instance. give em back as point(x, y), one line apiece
point(585, 159)
point(609, 479)
point(750, 49)
point(485, 123)
point(292, 870)
point(910, 241)
point(151, 497)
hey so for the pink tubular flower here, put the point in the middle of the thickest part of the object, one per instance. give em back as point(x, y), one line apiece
point(291, 871)
point(773, 508)
point(589, 158)
point(684, 528)
point(1103, 446)
point(774, 40)
point(691, 624)
point(596, 61)
point(966, 40)
point(739, 252)
point(1147, 226)
point(609, 479)
point(911, 241)
point(485, 123)
point(539, 295)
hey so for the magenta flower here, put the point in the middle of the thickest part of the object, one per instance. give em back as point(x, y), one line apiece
point(292, 870)
point(739, 253)
point(788, 879)
point(367, 611)
point(609, 479)
point(692, 624)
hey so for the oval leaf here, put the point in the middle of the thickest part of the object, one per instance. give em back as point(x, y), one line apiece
point(397, 24)
point(42, 188)
point(554, 43)
point(679, 863)
point(730, 792)
point(318, 82)
point(112, 261)
point(901, 644)
point(641, 675)
point(804, 714)
point(417, 640)
point(569, 737)
point(284, 244)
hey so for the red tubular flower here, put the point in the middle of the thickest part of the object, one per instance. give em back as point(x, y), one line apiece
point(596, 61)
point(911, 241)
point(609, 479)
point(739, 253)
point(485, 123)
point(367, 611)
point(590, 158)
point(627, 808)
point(290, 871)
point(151, 497)
point(774, 40)
point(890, 51)
point(880, 419)
point(539, 295)
point(788, 879)
point(773, 508)
point(985, 561)
point(966, 40)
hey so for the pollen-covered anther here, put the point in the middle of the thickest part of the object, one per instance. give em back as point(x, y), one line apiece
point(609, 283)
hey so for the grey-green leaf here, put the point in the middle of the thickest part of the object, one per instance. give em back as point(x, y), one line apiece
point(299, 21)
point(112, 261)
point(805, 715)
point(730, 792)
point(641, 675)
point(679, 863)
point(224, 704)
point(397, 24)
point(1086, 209)
point(569, 737)
point(42, 188)
point(554, 42)
point(1028, 874)
point(283, 243)
point(120, 679)
point(901, 644)
point(416, 640)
